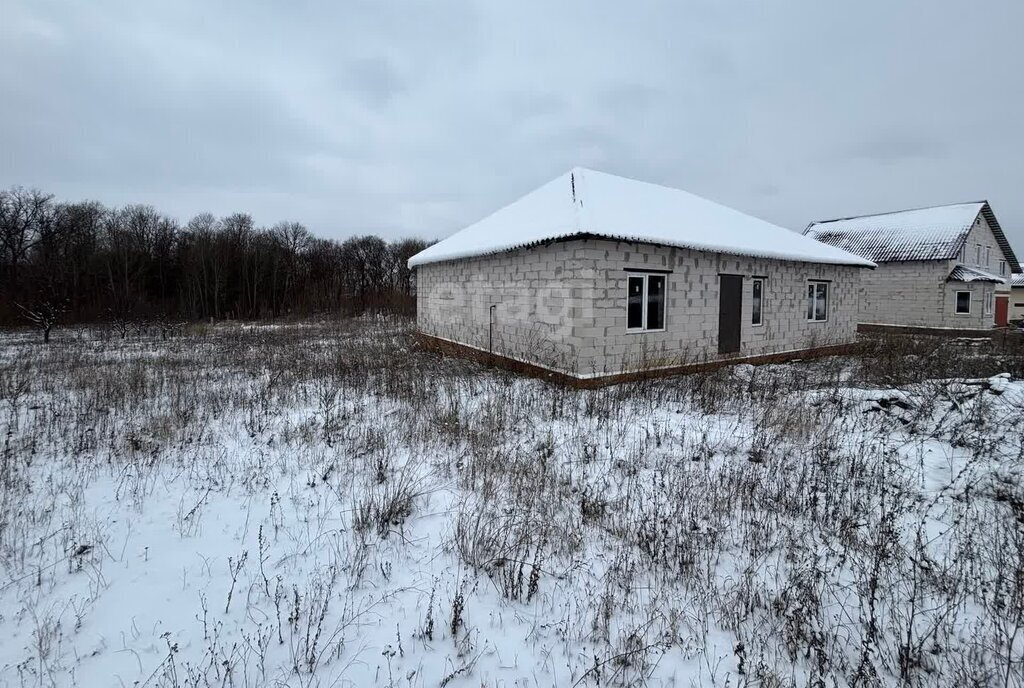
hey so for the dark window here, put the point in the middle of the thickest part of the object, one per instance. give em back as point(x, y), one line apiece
point(635, 304)
point(755, 310)
point(655, 302)
point(817, 301)
point(963, 302)
point(645, 302)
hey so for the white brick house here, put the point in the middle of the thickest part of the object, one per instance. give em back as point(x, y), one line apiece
point(595, 276)
point(1017, 298)
point(946, 266)
point(941, 267)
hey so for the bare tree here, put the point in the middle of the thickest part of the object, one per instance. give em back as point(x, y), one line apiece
point(23, 216)
point(131, 263)
point(43, 315)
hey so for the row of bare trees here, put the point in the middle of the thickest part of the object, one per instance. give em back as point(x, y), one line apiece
point(84, 262)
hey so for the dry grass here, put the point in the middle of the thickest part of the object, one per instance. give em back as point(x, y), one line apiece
point(342, 507)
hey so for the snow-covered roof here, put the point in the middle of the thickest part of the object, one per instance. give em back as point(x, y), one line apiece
point(921, 234)
point(586, 203)
point(1017, 280)
point(962, 273)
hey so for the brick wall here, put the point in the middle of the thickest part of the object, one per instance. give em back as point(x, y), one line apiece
point(536, 294)
point(691, 319)
point(563, 305)
point(917, 294)
point(1017, 303)
point(981, 235)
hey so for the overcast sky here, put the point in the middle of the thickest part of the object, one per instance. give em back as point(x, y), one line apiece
point(418, 118)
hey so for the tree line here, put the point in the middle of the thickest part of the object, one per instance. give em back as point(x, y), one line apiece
point(82, 262)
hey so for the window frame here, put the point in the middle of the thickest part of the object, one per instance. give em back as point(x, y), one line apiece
point(645, 303)
point(1002, 268)
point(977, 254)
point(988, 256)
point(956, 302)
point(812, 299)
point(754, 283)
point(988, 301)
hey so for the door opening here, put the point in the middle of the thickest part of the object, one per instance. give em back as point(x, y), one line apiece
point(1002, 311)
point(730, 313)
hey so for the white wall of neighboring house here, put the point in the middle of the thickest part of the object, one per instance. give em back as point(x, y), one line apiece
point(1017, 304)
point(918, 294)
point(981, 241)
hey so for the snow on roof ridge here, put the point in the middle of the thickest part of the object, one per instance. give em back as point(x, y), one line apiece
point(932, 233)
point(980, 204)
point(586, 202)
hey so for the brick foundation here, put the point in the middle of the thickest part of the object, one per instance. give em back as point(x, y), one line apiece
point(876, 328)
point(455, 349)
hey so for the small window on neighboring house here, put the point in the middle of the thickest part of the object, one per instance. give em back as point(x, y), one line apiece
point(963, 303)
point(988, 256)
point(1002, 268)
point(989, 298)
point(817, 301)
point(645, 303)
point(963, 254)
point(977, 254)
point(756, 315)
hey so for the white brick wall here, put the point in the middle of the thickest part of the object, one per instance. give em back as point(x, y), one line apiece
point(563, 305)
point(1017, 303)
point(916, 294)
point(981, 235)
point(691, 320)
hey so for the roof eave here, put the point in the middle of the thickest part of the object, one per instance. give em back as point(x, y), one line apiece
point(855, 260)
point(1004, 244)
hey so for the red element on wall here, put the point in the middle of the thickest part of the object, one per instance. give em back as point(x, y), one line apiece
point(1002, 310)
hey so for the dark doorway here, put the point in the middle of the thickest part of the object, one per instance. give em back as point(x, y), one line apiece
point(730, 311)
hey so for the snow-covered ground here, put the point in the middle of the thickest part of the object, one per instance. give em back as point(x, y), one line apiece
point(323, 505)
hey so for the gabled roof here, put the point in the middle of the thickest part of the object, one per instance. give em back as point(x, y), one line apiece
point(586, 203)
point(935, 233)
point(1017, 280)
point(962, 273)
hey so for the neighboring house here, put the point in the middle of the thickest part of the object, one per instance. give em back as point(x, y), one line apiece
point(1017, 298)
point(942, 267)
point(594, 276)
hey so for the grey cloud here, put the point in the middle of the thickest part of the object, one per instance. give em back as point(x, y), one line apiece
point(892, 144)
point(419, 117)
point(374, 80)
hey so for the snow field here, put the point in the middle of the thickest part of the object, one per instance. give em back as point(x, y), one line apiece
point(324, 505)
